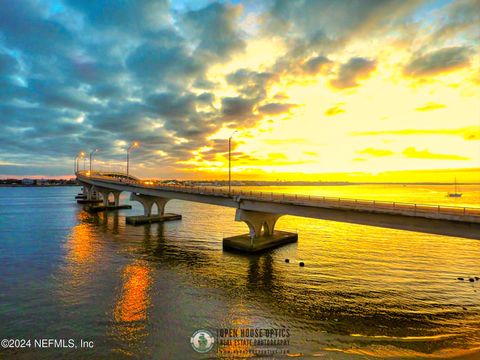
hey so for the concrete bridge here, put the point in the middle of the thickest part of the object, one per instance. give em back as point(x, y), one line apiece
point(261, 210)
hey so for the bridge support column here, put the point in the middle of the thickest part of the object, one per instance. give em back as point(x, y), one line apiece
point(147, 217)
point(262, 234)
point(90, 195)
point(82, 194)
point(107, 205)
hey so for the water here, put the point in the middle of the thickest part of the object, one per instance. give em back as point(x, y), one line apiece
point(140, 292)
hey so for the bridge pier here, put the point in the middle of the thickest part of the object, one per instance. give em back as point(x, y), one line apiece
point(82, 195)
point(262, 234)
point(90, 195)
point(147, 217)
point(94, 198)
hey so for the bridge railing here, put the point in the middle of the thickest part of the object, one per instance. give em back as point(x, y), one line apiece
point(308, 200)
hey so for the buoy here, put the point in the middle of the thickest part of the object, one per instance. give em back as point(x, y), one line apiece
point(301, 263)
point(477, 278)
point(460, 278)
point(471, 279)
point(287, 260)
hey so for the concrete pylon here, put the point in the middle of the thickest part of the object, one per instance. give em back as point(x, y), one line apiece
point(262, 233)
point(256, 221)
point(148, 201)
point(106, 192)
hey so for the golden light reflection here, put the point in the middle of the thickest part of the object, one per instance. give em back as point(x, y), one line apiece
point(236, 348)
point(80, 245)
point(83, 254)
point(131, 309)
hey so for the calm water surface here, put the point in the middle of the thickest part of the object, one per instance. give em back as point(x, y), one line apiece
point(140, 292)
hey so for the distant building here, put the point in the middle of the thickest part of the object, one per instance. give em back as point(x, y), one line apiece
point(26, 181)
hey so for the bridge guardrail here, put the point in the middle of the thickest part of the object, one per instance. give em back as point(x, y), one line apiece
point(308, 200)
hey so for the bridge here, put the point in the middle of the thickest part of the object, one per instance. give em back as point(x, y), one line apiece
point(261, 210)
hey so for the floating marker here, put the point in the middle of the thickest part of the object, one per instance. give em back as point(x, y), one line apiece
point(460, 278)
point(471, 279)
point(301, 263)
point(287, 260)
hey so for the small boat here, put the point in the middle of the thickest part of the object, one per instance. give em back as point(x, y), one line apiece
point(455, 194)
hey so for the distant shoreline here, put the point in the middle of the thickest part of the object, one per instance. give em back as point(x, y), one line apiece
point(267, 184)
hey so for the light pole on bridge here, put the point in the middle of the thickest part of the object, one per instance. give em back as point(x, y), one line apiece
point(91, 158)
point(230, 162)
point(135, 144)
point(80, 155)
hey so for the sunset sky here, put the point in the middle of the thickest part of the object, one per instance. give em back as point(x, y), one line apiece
point(334, 90)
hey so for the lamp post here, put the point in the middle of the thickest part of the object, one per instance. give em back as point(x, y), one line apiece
point(135, 144)
point(91, 158)
point(80, 155)
point(230, 162)
point(76, 161)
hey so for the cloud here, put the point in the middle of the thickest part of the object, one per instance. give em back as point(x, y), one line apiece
point(412, 152)
point(167, 60)
point(376, 152)
point(335, 110)
point(141, 70)
point(214, 30)
point(462, 19)
point(355, 69)
point(468, 133)
point(430, 106)
point(8, 64)
point(316, 64)
point(252, 83)
point(276, 108)
point(438, 62)
point(237, 109)
point(137, 16)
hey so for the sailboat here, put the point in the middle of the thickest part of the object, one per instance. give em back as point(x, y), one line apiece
point(455, 194)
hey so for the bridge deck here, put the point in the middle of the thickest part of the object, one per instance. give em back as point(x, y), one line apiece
point(465, 214)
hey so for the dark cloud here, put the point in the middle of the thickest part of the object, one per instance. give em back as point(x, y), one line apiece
point(355, 69)
point(315, 64)
point(462, 18)
point(276, 108)
point(340, 20)
point(252, 83)
point(214, 30)
point(155, 63)
point(438, 61)
point(237, 108)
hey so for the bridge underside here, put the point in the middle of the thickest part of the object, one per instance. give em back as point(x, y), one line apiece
point(392, 221)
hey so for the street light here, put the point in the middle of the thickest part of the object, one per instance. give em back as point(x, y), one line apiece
point(77, 159)
point(91, 158)
point(230, 162)
point(81, 155)
point(135, 144)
